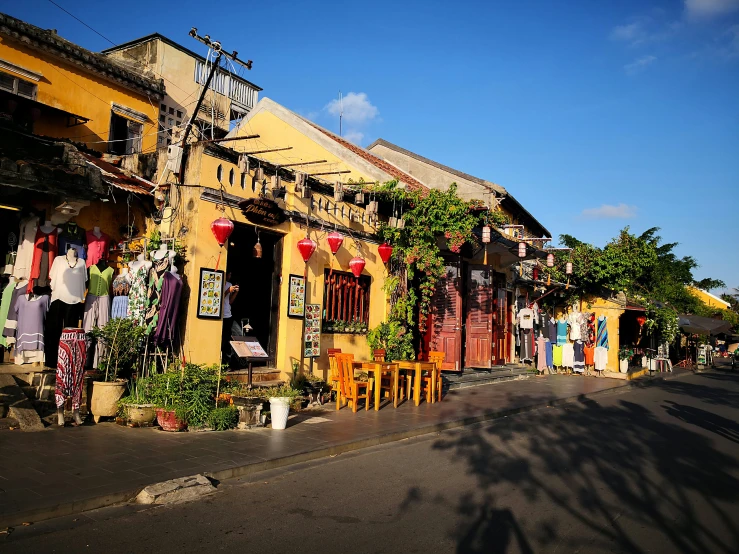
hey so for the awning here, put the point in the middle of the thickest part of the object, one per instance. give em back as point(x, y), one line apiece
point(697, 325)
point(118, 178)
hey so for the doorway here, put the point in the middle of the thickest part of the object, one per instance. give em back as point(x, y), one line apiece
point(445, 328)
point(479, 325)
point(259, 283)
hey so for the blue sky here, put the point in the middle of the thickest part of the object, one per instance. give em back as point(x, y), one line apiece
point(595, 115)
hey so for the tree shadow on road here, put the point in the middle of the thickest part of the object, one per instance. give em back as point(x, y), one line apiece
point(604, 470)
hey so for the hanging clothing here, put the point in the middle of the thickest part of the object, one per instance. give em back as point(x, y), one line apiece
point(68, 281)
point(11, 321)
point(573, 320)
point(31, 314)
point(557, 355)
point(138, 295)
point(561, 332)
point(156, 281)
point(72, 235)
point(70, 368)
point(600, 358)
point(549, 354)
point(584, 318)
point(167, 321)
point(7, 296)
point(121, 287)
point(527, 344)
point(97, 247)
point(100, 281)
point(552, 330)
point(26, 246)
point(579, 348)
point(602, 339)
point(60, 315)
point(97, 314)
point(541, 349)
point(568, 355)
point(591, 329)
point(44, 252)
point(544, 321)
point(589, 352)
point(526, 318)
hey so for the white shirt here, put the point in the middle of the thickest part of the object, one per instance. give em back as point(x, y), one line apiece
point(68, 283)
point(574, 320)
point(226, 300)
point(526, 318)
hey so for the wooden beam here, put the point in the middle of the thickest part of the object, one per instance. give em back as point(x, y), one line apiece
point(329, 173)
point(303, 163)
point(246, 137)
point(268, 150)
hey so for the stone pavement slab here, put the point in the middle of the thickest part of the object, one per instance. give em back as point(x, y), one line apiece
point(60, 471)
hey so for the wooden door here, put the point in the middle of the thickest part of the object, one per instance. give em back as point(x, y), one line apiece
point(479, 328)
point(446, 318)
point(500, 324)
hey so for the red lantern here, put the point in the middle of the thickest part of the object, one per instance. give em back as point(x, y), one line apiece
point(335, 240)
point(641, 320)
point(306, 246)
point(550, 260)
point(222, 229)
point(356, 264)
point(536, 273)
point(385, 251)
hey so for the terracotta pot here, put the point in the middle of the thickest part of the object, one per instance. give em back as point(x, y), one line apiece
point(105, 397)
point(168, 421)
point(141, 414)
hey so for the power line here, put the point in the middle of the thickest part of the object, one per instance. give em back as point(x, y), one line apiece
point(85, 24)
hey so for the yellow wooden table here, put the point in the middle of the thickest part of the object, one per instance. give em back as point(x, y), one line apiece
point(418, 368)
point(377, 368)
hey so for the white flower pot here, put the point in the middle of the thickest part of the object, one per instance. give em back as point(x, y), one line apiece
point(623, 365)
point(279, 408)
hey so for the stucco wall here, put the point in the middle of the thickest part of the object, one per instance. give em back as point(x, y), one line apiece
point(86, 94)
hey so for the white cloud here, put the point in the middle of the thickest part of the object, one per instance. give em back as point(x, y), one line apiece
point(357, 108)
point(639, 64)
point(631, 32)
point(354, 136)
point(706, 9)
point(606, 211)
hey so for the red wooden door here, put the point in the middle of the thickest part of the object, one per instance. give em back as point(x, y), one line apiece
point(479, 328)
point(446, 318)
point(500, 325)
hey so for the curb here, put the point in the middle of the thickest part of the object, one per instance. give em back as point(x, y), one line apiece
point(93, 503)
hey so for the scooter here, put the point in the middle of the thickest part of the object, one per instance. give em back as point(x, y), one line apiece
point(735, 360)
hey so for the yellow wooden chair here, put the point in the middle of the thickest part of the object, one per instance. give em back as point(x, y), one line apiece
point(333, 374)
point(438, 359)
point(351, 386)
point(386, 377)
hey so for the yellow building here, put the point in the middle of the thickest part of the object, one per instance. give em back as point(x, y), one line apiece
point(56, 88)
point(709, 299)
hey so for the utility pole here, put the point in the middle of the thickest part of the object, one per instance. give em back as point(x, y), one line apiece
point(218, 49)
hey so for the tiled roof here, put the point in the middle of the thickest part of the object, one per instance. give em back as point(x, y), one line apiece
point(118, 178)
point(411, 182)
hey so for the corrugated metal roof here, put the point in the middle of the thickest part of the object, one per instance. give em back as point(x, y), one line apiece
point(119, 178)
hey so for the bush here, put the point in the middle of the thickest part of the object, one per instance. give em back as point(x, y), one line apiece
point(124, 342)
point(222, 419)
point(394, 338)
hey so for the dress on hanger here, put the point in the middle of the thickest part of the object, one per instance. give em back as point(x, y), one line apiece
point(45, 248)
point(26, 246)
point(541, 348)
point(137, 295)
point(156, 281)
point(97, 247)
point(600, 358)
point(579, 349)
point(561, 332)
point(11, 321)
point(121, 288)
point(568, 355)
point(589, 352)
point(549, 353)
point(31, 314)
point(7, 296)
point(557, 355)
point(97, 305)
point(574, 322)
point(170, 307)
point(602, 339)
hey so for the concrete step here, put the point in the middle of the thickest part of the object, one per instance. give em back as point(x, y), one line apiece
point(258, 375)
point(477, 378)
point(20, 407)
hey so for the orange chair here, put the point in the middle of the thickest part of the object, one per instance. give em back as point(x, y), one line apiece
point(350, 386)
point(334, 374)
point(386, 377)
point(438, 359)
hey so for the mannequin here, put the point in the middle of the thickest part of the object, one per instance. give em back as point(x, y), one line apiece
point(97, 304)
point(66, 345)
point(162, 261)
point(47, 227)
point(575, 323)
point(46, 246)
point(26, 240)
point(97, 232)
point(174, 272)
point(97, 246)
point(138, 263)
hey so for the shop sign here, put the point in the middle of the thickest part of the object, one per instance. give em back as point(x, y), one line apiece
point(262, 211)
point(312, 333)
point(210, 293)
point(296, 307)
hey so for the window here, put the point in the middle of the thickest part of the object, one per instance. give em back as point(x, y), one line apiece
point(17, 86)
point(243, 181)
point(125, 135)
point(231, 177)
point(345, 299)
point(179, 114)
point(219, 173)
point(171, 111)
point(179, 123)
point(162, 118)
point(163, 107)
point(170, 121)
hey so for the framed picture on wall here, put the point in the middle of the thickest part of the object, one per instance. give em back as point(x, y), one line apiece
point(296, 305)
point(210, 293)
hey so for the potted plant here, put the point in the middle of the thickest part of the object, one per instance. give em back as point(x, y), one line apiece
point(624, 355)
point(136, 408)
point(166, 395)
point(122, 340)
point(280, 399)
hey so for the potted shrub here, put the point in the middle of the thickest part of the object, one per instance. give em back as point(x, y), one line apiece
point(223, 418)
point(280, 399)
point(166, 395)
point(137, 408)
point(624, 355)
point(122, 340)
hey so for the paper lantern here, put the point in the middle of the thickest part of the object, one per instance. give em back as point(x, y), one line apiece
point(356, 264)
point(641, 320)
point(535, 273)
point(222, 229)
point(550, 260)
point(486, 234)
point(568, 268)
point(335, 240)
point(306, 247)
point(385, 251)
point(521, 249)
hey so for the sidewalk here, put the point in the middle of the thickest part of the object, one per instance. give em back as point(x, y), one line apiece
point(60, 471)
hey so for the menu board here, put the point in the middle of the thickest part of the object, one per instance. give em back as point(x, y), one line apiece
point(312, 341)
point(296, 307)
point(248, 347)
point(210, 296)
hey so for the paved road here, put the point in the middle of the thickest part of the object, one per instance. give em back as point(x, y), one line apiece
point(651, 470)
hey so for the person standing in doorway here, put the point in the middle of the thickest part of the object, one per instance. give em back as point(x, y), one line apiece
point(230, 291)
